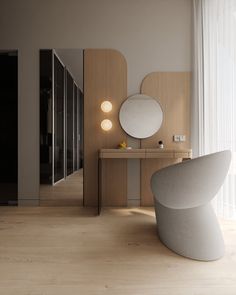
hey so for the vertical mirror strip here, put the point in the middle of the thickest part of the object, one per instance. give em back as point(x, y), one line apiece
point(58, 119)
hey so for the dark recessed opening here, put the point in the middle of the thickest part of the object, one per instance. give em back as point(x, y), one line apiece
point(9, 127)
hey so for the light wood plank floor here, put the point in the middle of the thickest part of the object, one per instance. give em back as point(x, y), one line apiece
point(68, 192)
point(69, 251)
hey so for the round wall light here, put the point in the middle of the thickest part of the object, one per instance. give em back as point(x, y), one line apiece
point(106, 106)
point(106, 125)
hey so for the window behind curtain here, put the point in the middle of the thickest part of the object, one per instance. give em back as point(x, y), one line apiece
point(219, 107)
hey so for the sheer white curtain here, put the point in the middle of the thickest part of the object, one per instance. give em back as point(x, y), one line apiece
point(216, 124)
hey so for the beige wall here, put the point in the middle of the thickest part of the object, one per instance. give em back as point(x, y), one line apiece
point(153, 35)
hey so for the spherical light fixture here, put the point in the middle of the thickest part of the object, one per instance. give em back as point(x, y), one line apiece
point(106, 125)
point(106, 106)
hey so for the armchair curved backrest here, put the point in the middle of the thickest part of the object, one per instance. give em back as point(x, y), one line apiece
point(191, 183)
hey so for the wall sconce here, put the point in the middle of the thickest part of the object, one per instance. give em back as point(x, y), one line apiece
point(106, 106)
point(106, 125)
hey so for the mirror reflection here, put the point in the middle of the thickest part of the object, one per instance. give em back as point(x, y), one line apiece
point(61, 127)
point(141, 116)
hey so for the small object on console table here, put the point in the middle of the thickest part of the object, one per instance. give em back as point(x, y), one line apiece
point(122, 145)
point(161, 145)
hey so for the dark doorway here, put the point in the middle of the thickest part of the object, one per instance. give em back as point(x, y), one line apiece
point(8, 127)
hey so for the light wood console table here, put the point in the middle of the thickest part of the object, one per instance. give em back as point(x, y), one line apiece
point(142, 154)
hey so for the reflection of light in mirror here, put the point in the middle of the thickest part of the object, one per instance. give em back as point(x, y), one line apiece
point(106, 125)
point(106, 106)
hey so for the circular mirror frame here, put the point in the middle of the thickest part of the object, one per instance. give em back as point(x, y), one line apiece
point(134, 119)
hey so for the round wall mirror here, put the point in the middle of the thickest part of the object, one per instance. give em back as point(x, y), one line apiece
point(140, 116)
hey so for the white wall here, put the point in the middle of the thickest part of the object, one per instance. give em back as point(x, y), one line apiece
point(152, 34)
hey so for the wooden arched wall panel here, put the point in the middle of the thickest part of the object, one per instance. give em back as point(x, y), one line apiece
point(172, 90)
point(105, 77)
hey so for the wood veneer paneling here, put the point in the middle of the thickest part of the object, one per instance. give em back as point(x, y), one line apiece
point(105, 77)
point(122, 153)
point(172, 90)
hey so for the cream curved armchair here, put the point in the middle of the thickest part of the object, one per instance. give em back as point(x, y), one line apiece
point(185, 219)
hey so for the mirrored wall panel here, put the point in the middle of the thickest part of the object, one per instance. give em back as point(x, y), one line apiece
point(80, 129)
point(46, 115)
point(59, 130)
point(61, 125)
point(76, 134)
point(69, 122)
